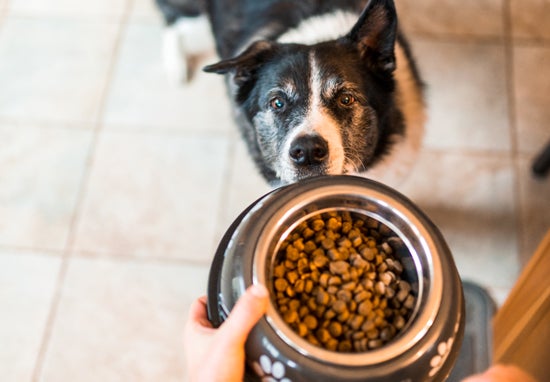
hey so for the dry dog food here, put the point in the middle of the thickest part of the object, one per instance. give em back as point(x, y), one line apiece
point(339, 285)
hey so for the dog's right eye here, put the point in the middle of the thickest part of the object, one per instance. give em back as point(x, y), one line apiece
point(346, 99)
point(277, 103)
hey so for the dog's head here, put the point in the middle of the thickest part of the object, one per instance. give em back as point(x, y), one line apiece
point(318, 109)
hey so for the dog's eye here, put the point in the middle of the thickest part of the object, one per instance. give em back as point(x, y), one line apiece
point(277, 103)
point(346, 99)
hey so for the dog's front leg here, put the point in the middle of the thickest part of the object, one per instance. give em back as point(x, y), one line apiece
point(184, 42)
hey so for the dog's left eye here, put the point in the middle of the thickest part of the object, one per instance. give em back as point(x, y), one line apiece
point(277, 103)
point(346, 99)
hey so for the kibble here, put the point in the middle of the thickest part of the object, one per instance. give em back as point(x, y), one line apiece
point(339, 284)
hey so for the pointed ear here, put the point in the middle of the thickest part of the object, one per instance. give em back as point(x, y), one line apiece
point(244, 65)
point(375, 33)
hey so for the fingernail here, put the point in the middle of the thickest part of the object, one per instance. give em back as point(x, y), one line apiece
point(259, 290)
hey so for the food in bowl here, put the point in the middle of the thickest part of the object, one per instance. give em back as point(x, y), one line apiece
point(338, 282)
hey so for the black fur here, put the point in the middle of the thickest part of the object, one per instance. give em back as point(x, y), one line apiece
point(172, 10)
point(358, 66)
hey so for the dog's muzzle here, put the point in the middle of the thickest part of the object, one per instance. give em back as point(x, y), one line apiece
point(309, 150)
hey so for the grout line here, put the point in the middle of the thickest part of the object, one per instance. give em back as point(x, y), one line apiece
point(481, 40)
point(226, 131)
point(4, 14)
point(114, 256)
point(477, 39)
point(455, 38)
point(127, 258)
point(117, 128)
point(469, 151)
point(103, 18)
point(69, 16)
point(170, 131)
point(46, 124)
point(98, 124)
point(223, 199)
point(31, 250)
point(76, 15)
point(513, 125)
point(67, 253)
point(531, 41)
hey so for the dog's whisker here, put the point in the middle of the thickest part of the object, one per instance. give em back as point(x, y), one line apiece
point(352, 158)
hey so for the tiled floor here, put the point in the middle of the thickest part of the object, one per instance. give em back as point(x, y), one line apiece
point(115, 185)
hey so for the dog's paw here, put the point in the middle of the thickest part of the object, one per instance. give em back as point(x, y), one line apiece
point(174, 56)
point(184, 42)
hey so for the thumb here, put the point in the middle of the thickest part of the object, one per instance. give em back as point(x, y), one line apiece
point(245, 314)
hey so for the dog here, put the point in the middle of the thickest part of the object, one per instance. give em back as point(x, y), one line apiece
point(318, 87)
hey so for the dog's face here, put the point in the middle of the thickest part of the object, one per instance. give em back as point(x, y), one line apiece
point(311, 110)
point(317, 109)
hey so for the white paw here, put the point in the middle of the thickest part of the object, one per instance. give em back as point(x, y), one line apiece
point(183, 42)
point(174, 56)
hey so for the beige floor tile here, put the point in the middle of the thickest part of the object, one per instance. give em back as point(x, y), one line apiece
point(498, 295)
point(41, 172)
point(481, 18)
point(54, 69)
point(27, 287)
point(122, 321)
point(535, 208)
point(466, 95)
point(532, 97)
point(245, 186)
point(68, 7)
point(142, 95)
point(154, 195)
point(470, 198)
point(529, 18)
point(467, 101)
point(145, 10)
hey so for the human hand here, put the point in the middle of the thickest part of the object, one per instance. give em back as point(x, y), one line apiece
point(218, 354)
point(501, 373)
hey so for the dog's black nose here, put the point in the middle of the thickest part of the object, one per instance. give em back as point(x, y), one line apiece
point(308, 150)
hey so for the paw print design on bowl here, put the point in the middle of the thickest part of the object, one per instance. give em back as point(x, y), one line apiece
point(443, 350)
point(270, 371)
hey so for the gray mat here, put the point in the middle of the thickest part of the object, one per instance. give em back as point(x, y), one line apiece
point(476, 352)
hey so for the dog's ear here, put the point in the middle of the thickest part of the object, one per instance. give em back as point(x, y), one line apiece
point(375, 33)
point(245, 64)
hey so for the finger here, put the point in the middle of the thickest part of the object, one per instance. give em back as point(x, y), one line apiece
point(198, 314)
point(245, 314)
point(501, 373)
point(511, 373)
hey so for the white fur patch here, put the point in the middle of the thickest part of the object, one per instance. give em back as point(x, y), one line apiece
point(323, 124)
point(321, 28)
point(316, 122)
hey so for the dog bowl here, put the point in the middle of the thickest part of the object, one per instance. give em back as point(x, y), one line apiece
point(426, 347)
